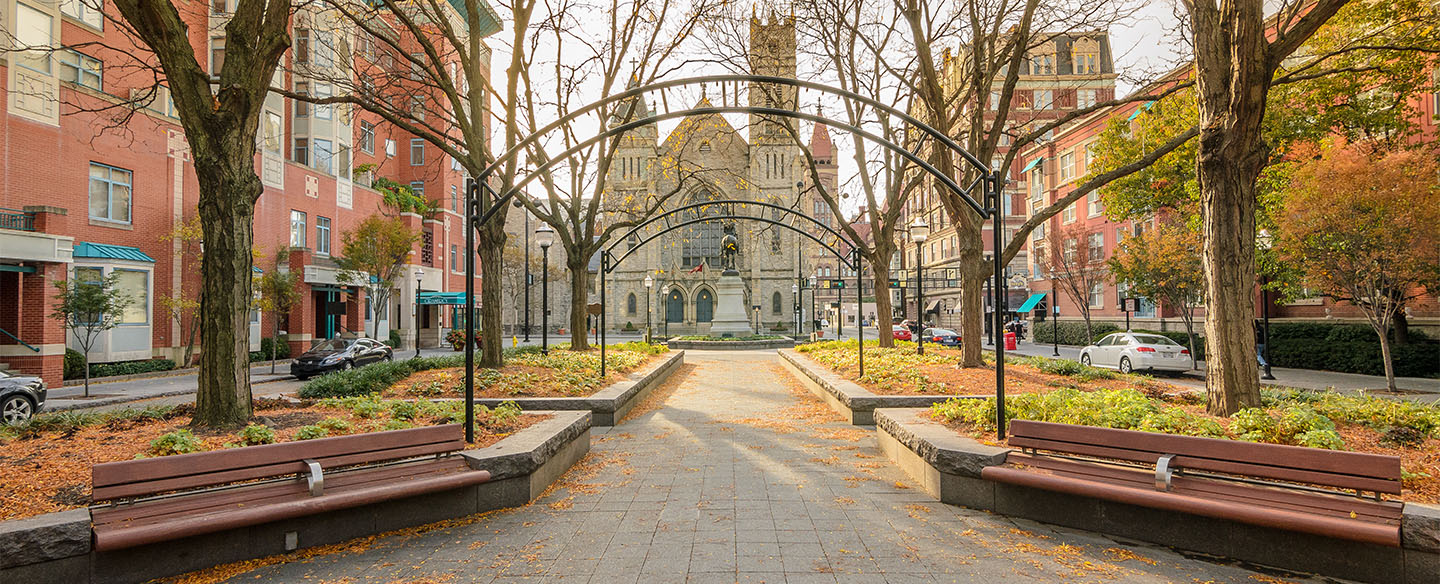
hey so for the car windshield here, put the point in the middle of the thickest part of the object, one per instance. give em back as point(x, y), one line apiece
point(331, 345)
point(1155, 340)
point(943, 332)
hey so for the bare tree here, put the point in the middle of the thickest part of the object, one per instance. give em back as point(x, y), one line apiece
point(1076, 263)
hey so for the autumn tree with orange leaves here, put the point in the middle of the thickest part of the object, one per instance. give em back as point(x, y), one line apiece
point(1164, 264)
point(1365, 229)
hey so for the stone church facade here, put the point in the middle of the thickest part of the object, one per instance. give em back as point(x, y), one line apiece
point(704, 159)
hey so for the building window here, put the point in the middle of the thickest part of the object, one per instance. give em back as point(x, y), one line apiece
point(1067, 166)
point(86, 11)
point(775, 303)
point(322, 235)
point(630, 304)
point(427, 248)
point(1087, 63)
point(1097, 295)
point(418, 188)
point(417, 107)
point(324, 156)
point(134, 284)
point(1068, 215)
point(417, 152)
point(273, 131)
point(1085, 98)
point(1096, 243)
point(302, 151)
point(217, 56)
point(1092, 200)
point(1044, 99)
point(367, 137)
point(454, 258)
point(81, 69)
point(1069, 250)
point(302, 108)
point(33, 31)
point(324, 51)
point(455, 198)
point(302, 45)
point(297, 228)
point(323, 111)
point(109, 193)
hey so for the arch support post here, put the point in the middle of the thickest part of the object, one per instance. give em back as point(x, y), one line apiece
point(472, 199)
point(996, 187)
point(860, 307)
point(604, 308)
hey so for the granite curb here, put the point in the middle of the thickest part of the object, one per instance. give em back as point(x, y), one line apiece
point(849, 398)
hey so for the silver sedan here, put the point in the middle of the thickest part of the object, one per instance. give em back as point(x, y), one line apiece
point(1131, 351)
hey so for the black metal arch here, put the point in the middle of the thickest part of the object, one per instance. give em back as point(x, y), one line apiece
point(949, 183)
point(722, 202)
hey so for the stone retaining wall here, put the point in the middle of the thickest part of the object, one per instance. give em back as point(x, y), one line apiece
point(608, 405)
point(847, 397)
point(948, 466)
point(56, 547)
point(731, 345)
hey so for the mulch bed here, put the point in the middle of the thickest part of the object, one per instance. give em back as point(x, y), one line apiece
point(510, 382)
point(51, 471)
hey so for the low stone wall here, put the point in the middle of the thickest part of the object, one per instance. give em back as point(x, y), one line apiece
point(608, 405)
point(847, 397)
point(731, 345)
point(56, 547)
point(948, 465)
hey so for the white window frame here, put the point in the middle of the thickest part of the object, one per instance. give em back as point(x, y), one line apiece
point(1086, 98)
point(367, 137)
point(86, 12)
point(1096, 249)
point(1067, 165)
point(324, 111)
point(297, 228)
point(111, 180)
point(37, 56)
point(1096, 295)
point(1044, 99)
point(322, 235)
point(323, 158)
point(1093, 204)
point(417, 146)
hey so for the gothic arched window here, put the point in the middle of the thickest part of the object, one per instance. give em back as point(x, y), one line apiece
point(630, 304)
point(704, 306)
point(701, 241)
point(675, 307)
point(775, 303)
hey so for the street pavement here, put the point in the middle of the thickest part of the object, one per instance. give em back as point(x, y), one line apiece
point(739, 475)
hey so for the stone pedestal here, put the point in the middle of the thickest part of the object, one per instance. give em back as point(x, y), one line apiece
point(730, 318)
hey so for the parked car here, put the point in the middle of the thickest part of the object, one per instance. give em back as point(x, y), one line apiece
point(900, 332)
point(945, 337)
point(339, 354)
point(20, 397)
point(1129, 351)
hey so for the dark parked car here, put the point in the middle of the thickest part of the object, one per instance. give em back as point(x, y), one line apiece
point(338, 355)
point(20, 397)
point(945, 337)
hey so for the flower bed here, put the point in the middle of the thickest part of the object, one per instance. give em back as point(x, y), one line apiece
point(1300, 418)
point(562, 373)
point(45, 462)
point(726, 339)
point(899, 371)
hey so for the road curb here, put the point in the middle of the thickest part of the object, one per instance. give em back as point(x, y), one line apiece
point(86, 404)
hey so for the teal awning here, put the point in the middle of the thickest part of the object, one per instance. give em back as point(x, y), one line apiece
point(1032, 165)
point(442, 298)
point(106, 251)
point(1140, 110)
point(256, 269)
point(1030, 302)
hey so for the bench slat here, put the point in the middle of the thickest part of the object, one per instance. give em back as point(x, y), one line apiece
point(1370, 472)
point(1293, 500)
point(156, 475)
point(1345, 528)
point(126, 534)
point(253, 495)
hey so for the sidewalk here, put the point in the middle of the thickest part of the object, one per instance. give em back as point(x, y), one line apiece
point(1427, 388)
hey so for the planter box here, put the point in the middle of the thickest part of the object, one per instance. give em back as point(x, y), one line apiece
point(948, 465)
point(847, 397)
point(56, 547)
point(608, 405)
point(731, 345)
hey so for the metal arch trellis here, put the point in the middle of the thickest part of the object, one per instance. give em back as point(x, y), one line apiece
point(608, 261)
point(479, 210)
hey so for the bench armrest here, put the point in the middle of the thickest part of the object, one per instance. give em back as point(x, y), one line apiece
point(1163, 472)
point(316, 479)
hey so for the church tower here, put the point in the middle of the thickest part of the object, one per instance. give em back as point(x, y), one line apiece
point(775, 161)
point(629, 176)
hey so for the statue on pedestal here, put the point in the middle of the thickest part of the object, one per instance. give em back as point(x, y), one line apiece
point(729, 248)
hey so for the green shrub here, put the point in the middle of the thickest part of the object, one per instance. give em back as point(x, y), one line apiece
point(336, 425)
point(178, 442)
point(255, 435)
point(311, 433)
point(358, 382)
point(130, 367)
point(282, 349)
point(1297, 424)
point(1071, 332)
point(397, 425)
point(1349, 348)
point(394, 338)
point(1064, 367)
point(74, 364)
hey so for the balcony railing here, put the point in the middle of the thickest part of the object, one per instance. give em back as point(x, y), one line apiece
point(18, 220)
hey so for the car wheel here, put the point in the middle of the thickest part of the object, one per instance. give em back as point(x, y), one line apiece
point(1085, 360)
point(347, 365)
point(301, 377)
point(1124, 364)
point(16, 409)
point(388, 358)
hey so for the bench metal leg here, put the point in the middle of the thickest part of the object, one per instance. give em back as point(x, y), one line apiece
point(316, 480)
point(1163, 472)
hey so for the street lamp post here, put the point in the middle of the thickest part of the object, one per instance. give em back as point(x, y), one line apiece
point(989, 298)
point(544, 236)
point(919, 232)
point(795, 301)
point(419, 275)
point(814, 316)
point(529, 278)
point(1263, 238)
point(649, 283)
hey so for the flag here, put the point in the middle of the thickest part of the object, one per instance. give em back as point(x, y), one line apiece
point(698, 268)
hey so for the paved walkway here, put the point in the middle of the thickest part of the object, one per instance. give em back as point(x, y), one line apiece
point(739, 476)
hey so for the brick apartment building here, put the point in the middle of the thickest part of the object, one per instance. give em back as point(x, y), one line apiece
point(1051, 171)
point(82, 196)
point(1067, 71)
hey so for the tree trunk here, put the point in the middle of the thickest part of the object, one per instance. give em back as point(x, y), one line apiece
point(190, 343)
point(229, 188)
point(579, 298)
point(490, 243)
point(1188, 317)
point(87, 373)
point(881, 276)
point(1385, 358)
point(973, 272)
point(1402, 328)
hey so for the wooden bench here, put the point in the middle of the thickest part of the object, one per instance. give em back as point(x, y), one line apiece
point(161, 499)
point(1212, 477)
